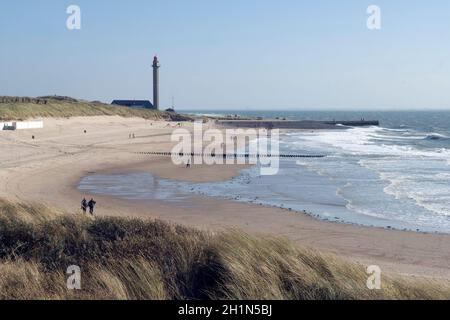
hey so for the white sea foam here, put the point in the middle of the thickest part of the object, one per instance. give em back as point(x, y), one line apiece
point(423, 189)
point(365, 211)
point(412, 174)
point(359, 141)
point(443, 176)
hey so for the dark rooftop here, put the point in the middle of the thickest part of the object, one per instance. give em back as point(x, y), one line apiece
point(134, 103)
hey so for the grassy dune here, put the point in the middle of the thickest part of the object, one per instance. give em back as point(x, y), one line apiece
point(12, 108)
point(135, 259)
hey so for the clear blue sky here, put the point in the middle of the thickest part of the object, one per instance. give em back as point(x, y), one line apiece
point(231, 54)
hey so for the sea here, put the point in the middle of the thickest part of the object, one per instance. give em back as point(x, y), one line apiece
point(394, 176)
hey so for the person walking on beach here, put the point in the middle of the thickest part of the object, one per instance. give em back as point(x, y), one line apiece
point(91, 204)
point(84, 205)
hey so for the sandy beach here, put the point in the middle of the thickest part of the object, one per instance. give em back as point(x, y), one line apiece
point(49, 168)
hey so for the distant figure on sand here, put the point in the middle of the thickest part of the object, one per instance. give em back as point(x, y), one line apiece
point(91, 204)
point(84, 205)
point(188, 164)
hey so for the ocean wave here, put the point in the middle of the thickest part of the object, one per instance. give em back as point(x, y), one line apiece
point(436, 136)
point(423, 189)
point(443, 176)
point(361, 142)
point(412, 172)
point(365, 211)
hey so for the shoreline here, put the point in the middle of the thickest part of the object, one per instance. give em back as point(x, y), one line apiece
point(154, 170)
point(61, 155)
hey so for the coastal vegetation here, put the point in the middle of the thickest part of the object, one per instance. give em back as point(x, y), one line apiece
point(145, 259)
point(23, 108)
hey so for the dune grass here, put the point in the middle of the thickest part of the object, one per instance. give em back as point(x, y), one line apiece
point(136, 259)
point(28, 108)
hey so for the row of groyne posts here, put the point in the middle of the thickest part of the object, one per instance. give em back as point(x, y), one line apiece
point(231, 155)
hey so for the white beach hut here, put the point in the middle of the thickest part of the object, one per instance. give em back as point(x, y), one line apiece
point(22, 125)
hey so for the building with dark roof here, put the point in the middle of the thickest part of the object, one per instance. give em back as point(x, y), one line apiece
point(134, 103)
point(145, 103)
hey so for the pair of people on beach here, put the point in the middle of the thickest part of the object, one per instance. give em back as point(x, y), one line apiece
point(91, 205)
